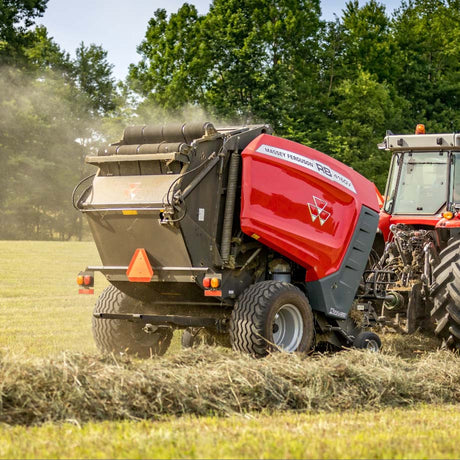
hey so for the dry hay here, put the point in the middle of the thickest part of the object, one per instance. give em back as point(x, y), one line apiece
point(215, 381)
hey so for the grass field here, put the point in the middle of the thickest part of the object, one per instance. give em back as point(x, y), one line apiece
point(425, 432)
point(41, 312)
point(41, 316)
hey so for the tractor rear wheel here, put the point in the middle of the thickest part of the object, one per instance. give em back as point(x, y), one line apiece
point(122, 336)
point(272, 315)
point(445, 292)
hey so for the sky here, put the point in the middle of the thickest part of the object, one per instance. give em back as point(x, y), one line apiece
point(119, 26)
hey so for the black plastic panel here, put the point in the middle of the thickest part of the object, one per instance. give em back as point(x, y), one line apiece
point(334, 294)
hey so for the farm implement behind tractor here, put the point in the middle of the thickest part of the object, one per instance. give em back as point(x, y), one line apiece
point(416, 257)
point(249, 238)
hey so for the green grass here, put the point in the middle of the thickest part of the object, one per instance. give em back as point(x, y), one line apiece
point(42, 315)
point(41, 312)
point(424, 432)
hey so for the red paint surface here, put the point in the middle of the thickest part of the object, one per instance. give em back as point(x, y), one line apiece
point(275, 205)
point(436, 221)
point(449, 223)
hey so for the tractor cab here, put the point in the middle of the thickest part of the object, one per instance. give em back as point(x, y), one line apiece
point(423, 185)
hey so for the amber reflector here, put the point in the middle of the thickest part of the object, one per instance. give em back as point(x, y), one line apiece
point(420, 129)
point(215, 282)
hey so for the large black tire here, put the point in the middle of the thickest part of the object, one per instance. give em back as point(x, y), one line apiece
point(445, 292)
point(121, 336)
point(272, 315)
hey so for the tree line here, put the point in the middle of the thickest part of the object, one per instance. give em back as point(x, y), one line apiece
point(334, 85)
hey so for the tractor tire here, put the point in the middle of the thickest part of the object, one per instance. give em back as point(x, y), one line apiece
point(269, 316)
point(122, 336)
point(445, 292)
point(368, 341)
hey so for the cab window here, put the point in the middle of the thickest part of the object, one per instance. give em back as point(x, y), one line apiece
point(422, 186)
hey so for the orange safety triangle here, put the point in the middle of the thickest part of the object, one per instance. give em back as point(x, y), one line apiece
point(139, 269)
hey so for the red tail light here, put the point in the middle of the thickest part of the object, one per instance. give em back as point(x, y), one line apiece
point(87, 280)
point(206, 283)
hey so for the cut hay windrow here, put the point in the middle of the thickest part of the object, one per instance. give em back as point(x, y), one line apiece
point(209, 381)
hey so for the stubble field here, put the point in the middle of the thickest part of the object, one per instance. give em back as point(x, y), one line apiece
point(60, 399)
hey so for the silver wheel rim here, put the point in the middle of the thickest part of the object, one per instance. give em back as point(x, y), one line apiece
point(372, 345)
point(288, 328)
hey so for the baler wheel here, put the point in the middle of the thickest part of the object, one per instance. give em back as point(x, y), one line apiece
point(368, 341)
point(272, 315)
point(121, 336)
point(445, 292)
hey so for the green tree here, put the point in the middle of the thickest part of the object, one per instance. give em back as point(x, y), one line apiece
point(365, 108)
point(39, 132)
point(42, 53)
point(16, 18)
point(264, 57)
point(50, 111)
point(367, 39)
point(174, 61)
point(93, 76)
point(427, 60)
point(246, 60)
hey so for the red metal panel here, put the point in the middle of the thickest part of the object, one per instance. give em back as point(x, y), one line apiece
point(301, 202)
point(449, 223)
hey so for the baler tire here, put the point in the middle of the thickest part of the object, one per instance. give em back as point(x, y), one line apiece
point(445, 293)
point(254, 322)
point(368, 341)
point(121, 336)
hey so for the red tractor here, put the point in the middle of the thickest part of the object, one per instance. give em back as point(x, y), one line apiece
point(416, 259)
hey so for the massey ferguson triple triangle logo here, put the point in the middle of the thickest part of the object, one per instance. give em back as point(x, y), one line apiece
point(318, 210)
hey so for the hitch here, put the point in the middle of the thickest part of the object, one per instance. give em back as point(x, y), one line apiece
point(177, 321)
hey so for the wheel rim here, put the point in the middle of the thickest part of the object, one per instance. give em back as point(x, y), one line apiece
point(372, 345)
point(288, 328)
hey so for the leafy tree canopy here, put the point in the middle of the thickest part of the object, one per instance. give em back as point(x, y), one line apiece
point(16, 18)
